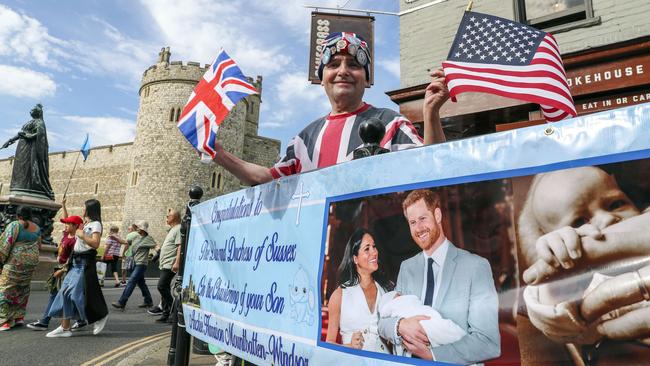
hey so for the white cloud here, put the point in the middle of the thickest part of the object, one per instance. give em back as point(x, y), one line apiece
point(196, 30)
point(22, 82)
point(294, 87)
point(390, 65)
point(100, 57)
point(25, 39)
point(292, 90)
point(103, 130)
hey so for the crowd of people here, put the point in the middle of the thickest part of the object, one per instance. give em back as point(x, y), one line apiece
point(74, 287)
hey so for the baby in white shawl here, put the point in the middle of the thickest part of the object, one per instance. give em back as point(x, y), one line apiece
point(439, 330)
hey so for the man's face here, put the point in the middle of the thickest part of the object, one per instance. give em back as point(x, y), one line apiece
point(425, 226)
point(579, 196)
point(169, 219)
point(344, 77)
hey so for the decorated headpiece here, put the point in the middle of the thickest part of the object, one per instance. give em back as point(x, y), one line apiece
point(349, 43)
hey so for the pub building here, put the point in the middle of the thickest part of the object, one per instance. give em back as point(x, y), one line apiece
point(605, 47)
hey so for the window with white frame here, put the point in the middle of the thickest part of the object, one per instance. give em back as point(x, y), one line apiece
point(555, 15)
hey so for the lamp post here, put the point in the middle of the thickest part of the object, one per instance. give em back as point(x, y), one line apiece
point(179, 346)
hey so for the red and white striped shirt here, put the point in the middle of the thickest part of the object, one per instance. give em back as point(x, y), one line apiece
point(332, 140)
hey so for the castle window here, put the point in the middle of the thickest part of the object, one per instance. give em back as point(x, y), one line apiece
point(134, 178)
point(178, 114)
point(1, 185)
point(63, 155)
point(214, 180)
point(171, 115)
point(96, 187)
point(145, 92)
point(219, 182)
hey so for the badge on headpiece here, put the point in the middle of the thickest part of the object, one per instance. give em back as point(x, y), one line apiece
point(325, 58)
point(340, 45)
point(362, 58)
point(352, 49)
point(353, 40)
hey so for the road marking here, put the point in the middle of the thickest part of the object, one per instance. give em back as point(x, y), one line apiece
point(119, 351)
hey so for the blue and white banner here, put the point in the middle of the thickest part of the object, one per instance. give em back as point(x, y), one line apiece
point(329, 267)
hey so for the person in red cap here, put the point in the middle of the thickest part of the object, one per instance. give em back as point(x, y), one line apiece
point(68, 241)
point(81, 296)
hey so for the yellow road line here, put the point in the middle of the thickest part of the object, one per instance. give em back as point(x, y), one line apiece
point(111, 355)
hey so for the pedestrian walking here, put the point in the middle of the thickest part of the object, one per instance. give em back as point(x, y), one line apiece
point(112, 253)
point(19, 246)
point(168, 254)
point(141, 246)
point(55, 281)
point(81, 296)
point(127, 256)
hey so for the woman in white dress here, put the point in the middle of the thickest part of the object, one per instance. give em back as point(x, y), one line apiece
point(353, 305)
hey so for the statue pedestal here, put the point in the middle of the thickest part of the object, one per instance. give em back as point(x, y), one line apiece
point(43, 211)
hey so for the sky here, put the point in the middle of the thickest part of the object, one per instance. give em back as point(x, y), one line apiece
point(83, 60)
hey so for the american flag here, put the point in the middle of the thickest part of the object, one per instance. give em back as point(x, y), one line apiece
point(498, 56)
point(220, 88)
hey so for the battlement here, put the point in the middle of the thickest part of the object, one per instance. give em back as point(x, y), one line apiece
point(177, 71)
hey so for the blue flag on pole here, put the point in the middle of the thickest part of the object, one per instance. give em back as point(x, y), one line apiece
point(85, 148)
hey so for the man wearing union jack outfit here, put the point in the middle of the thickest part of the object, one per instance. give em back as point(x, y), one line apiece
point(345, 73)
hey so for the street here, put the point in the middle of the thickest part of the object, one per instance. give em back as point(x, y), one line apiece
point(23, 346)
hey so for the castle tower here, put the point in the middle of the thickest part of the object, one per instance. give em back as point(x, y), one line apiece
point(164, 165)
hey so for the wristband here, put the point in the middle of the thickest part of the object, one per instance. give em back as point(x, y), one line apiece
point(397, 327)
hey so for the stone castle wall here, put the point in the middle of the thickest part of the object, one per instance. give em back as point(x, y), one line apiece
point(103, 176)
point(142, 179)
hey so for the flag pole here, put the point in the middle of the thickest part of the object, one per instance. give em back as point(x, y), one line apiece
point(71, 173)
point(469, 5)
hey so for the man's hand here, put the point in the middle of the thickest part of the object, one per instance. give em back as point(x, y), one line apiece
point(58, 273)
point(411, 330)
point(218, 149)
point(436, 93)
point(176, 266)
point(418, 349)
point(621, 300)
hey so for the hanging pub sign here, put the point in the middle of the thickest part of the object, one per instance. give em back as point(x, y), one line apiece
point(322, 24)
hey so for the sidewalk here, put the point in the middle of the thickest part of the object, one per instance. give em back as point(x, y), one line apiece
point(155, 354)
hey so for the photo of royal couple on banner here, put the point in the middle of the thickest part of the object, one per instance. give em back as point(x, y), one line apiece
point(546, 268)
point(443, 305)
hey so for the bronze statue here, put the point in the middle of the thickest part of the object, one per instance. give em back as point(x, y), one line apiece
point(31, 172)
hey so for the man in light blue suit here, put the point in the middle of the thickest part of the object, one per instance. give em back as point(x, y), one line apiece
point(454, 282)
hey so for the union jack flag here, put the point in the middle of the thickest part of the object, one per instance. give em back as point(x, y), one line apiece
point(502, 57)
point(220, 88)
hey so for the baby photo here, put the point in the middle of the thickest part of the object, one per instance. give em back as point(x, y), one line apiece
point(583, 244)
